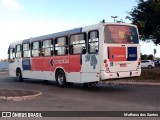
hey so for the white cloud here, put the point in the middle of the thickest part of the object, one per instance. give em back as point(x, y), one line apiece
point(11, 4)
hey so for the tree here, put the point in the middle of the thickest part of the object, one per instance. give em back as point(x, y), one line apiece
point(147, 57)
point(144, 57)
point(147, 17)
point(150, 57)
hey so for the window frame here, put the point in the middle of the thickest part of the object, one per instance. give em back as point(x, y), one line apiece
point(18, 51)
point(66, 45)
point(85, 39)
point(26, 50)
point(40, 47)
point(52, 46)
point(10, 60)
point(93, 42)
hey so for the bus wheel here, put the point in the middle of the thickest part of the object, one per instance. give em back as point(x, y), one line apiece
point(61, 78)
point(19, 75)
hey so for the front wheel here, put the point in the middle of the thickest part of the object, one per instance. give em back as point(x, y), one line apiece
point(61, 78)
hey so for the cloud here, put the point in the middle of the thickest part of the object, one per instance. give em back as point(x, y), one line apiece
point(11, 4)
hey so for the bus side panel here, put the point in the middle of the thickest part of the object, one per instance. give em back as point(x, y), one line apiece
point(90, 68)
point(26, 64)
point(74, 69)
point(37, 64)
point(47, 64)
point(74, 63)
point(12, 70)
point(59, 62)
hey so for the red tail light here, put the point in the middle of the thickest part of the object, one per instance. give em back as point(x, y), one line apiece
point(139, 61)
point(105, 61)
point(106, 65)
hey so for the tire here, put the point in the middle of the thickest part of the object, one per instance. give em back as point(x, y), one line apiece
point(61, 78)
point(19, 75)
point(150, 67)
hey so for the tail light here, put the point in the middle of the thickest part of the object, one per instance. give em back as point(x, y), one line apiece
point(106, 65)
point(105, 61)
point(139, 61)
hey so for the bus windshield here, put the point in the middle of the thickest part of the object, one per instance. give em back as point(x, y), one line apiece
point(120, 34)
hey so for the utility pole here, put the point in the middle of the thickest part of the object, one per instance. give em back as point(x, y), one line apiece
point(155, 51)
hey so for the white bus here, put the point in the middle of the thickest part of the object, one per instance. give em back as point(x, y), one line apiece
point(83, 55)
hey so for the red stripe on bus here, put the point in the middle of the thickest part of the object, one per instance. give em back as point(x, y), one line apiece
point(68, 63)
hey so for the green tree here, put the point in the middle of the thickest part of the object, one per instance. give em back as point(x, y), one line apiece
point(150, 57)
point(146, 15)
point(147, 57)
point(144, 57)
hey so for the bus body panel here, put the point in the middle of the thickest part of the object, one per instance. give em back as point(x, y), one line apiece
point(111, 61)
point(17, 62)
point(90, 62)
point(121, 60)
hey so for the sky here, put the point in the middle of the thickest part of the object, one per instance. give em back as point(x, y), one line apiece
point(148, 48)
point(22, 19)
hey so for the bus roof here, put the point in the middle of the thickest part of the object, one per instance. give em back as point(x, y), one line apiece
point(68, 32)
point(58, 34)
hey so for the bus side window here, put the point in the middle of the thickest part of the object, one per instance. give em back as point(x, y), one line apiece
point(11, 55)
point(93, 42)
point(47, 47)
point(61, 46)
point(78, 44)
point(36, 49)
point(26, 50)
point(18, 51)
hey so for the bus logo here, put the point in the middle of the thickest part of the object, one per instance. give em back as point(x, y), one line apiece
point(52, 62)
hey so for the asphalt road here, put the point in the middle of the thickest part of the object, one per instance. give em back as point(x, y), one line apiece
point(80, 98)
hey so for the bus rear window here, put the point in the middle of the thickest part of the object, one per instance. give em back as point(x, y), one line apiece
point(120, 34)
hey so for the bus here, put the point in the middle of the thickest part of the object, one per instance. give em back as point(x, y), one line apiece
point(87, 54)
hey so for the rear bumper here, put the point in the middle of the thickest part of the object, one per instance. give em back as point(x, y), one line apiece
point(125, 74)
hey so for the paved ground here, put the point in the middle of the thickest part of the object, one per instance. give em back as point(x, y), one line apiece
point(79, 98)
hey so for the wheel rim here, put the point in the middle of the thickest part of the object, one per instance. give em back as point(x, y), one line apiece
point(60, 79)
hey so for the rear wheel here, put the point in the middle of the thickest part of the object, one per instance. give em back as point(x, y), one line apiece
point(19, 75)
point(61, 78)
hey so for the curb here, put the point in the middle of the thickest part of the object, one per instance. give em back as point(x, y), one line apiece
point(21, 98)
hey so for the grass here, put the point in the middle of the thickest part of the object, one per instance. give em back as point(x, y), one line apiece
point(149, 75)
